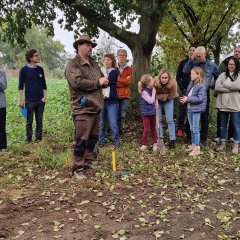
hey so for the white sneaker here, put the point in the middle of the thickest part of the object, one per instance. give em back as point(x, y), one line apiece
point(143, 148)
point(217, 140)
point(155, 147)
point(79, 175)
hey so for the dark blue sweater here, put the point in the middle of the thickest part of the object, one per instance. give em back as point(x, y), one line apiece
point(33, 80)
point(113, 77)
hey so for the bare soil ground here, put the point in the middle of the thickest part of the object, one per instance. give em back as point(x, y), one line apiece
point(176, 197)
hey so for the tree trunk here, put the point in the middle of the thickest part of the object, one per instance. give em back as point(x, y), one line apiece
point(141, 62)
point(216, 49)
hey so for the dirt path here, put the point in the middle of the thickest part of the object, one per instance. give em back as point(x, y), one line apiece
point(52, 205)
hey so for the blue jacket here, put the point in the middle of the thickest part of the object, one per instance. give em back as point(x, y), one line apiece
point(198, 99)
point(146, 108)
point(210, 70)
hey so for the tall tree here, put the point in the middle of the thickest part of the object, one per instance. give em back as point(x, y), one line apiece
point(199, 22)
point(112, 16)
point(52, 52)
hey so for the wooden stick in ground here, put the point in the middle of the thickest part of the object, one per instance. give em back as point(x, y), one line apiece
point(161, 144)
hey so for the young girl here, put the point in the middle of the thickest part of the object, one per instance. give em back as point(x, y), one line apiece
point(166, 91)
point(110, 101)
point(148, 110)
point(196, 98)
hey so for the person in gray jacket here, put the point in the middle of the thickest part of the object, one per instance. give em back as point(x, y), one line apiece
point(228, 102)
point(3, 105)
point(196, 99)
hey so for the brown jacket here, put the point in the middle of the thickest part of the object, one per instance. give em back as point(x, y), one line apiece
point(83, 81)
point(165, 92)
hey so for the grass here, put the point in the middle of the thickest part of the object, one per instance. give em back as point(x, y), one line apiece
point(54, 151)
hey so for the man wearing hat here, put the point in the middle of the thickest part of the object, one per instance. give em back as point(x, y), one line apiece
point(85, 82)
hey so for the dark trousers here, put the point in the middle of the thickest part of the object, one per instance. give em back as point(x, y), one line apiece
point(3, 134)
point(205, 121)
point(230, 126)
point(36, 108)
point(86, 136)
point(149, 123)
point(183, 123)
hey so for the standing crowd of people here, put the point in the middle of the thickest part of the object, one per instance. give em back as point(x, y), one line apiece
point(101, 95)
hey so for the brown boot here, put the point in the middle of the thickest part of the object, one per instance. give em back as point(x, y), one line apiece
point(222, 147)
point(235, 149)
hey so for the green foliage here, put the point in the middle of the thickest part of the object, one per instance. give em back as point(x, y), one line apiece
point(55, 149)
point(198, 23)
point(156, 64)
point(52, 52)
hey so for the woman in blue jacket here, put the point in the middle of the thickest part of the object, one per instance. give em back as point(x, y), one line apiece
point(196, 99)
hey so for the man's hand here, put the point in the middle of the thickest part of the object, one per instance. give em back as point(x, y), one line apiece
point(21, 103)
point(44, 99)
point(103, 81)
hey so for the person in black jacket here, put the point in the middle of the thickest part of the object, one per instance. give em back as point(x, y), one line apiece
point(183, 80)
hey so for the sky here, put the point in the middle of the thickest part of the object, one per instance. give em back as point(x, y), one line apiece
point(67, 39)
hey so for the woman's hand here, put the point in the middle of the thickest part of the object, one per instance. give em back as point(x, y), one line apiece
point(183, 100)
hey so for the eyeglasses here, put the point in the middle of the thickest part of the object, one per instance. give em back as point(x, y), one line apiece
point(122, 55)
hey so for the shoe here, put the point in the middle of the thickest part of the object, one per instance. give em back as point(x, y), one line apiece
point(231, 139)
point(143, 148)
point(217, 140)
point(155, 147)
point(180, 133)
point(235, 149)
point(222, 147)
point(195, 152)
point(171, 144)
point(79, 175)
point(190, 148)
point(117, 144)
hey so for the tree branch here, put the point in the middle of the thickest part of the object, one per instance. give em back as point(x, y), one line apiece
point(218, 26)
point(179, 27)
point(122, 35)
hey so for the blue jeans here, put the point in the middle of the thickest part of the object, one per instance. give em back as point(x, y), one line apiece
point(36, 108)
point(111, 110)
point(123, 106)
point(235, 117)
point(168, 107)
point(194, 119)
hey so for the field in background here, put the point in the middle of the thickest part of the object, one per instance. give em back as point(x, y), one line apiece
point(58, 131)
